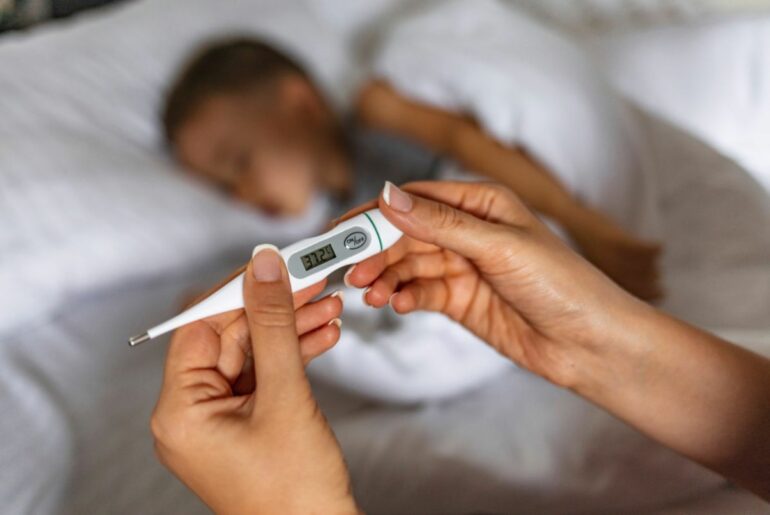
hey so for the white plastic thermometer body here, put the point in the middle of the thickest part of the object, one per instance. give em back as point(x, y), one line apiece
point(308, 261)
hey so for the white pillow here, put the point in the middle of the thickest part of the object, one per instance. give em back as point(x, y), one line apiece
point(530, 87)
point(87, 197)
point(712, 78)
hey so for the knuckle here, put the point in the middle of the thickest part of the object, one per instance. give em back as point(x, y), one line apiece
point(391, 277)
point(495, 188)
point(410, 268)
point(169, 431)
point(237, 335)
point(207, 384)
point(160, 429)
point(330, 309)
point(273, 315)
point(446, 217)
point(505, 195)
point(494, 191)
point(502, 203)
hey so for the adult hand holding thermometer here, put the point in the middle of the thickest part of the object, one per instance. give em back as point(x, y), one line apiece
point(308, 262)
point(475, 253)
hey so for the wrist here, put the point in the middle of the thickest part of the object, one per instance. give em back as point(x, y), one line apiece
point(600, 360)
point(346, 506)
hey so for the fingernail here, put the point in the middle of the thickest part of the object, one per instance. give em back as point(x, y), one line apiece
point(390, 299)
point(363, 295)
point(266, 263)
point(396, 198)
point(346, 277)
point(339, 295)
point(335, 321)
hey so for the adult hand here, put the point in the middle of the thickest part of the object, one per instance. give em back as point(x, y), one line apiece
point(475, 253)
point(236, 420)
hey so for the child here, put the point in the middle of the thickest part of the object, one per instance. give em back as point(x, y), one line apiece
point(249, 119)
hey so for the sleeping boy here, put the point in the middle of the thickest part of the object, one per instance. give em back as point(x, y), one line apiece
point(249, 119)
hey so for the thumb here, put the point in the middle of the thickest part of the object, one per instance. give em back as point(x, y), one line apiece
point(441, 224)
point(269, 310)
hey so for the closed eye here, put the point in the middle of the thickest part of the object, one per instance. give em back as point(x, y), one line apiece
point(241, 164)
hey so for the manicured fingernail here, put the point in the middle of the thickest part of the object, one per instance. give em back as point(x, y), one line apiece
point(335, 321)
point(396, 198)
point(363, 295)
point(346, 277)
point(339, 295)
point(266, 263)
point(390, 299)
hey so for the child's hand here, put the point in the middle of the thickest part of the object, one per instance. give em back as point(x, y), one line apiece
point(247, 449)
point(630, 261)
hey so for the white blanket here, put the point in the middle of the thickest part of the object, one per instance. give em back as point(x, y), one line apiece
point(517, 445)
point(78, 118)
point(88, 199)
point(529, 87)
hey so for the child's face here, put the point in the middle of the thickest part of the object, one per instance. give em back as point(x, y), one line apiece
point(267, 154)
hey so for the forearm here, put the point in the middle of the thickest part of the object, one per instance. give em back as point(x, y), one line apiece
point(539, 189)
point(699, 395)
point(459, 138)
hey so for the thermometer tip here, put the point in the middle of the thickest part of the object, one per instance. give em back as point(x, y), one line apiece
point(138, 339)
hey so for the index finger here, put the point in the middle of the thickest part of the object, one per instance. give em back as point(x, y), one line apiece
point(193, 347)
point(489, 201)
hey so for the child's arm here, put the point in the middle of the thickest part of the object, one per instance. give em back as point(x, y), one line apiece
point(460, 138)
point(628, 260)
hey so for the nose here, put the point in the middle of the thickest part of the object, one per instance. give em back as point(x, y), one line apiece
point(270, 208)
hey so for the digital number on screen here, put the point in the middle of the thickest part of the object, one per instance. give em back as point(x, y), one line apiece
point(318, 257)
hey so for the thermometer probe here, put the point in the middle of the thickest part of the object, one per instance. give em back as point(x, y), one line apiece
point(308, 261)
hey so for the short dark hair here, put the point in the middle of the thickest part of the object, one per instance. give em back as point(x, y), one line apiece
point(228, 66)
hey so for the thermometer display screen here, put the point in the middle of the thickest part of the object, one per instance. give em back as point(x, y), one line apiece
point(318, 257)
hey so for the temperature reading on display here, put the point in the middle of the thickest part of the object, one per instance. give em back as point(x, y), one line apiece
point(318, 257)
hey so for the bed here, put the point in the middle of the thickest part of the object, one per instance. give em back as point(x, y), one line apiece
point(78, 439)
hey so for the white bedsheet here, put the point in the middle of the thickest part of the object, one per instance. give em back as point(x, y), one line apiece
point(517, 445)
point(87, 197)
point(82, 398)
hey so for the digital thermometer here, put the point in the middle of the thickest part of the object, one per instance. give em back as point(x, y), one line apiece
point(308, 262)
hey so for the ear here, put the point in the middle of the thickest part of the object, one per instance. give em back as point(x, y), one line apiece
point(300, 95)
